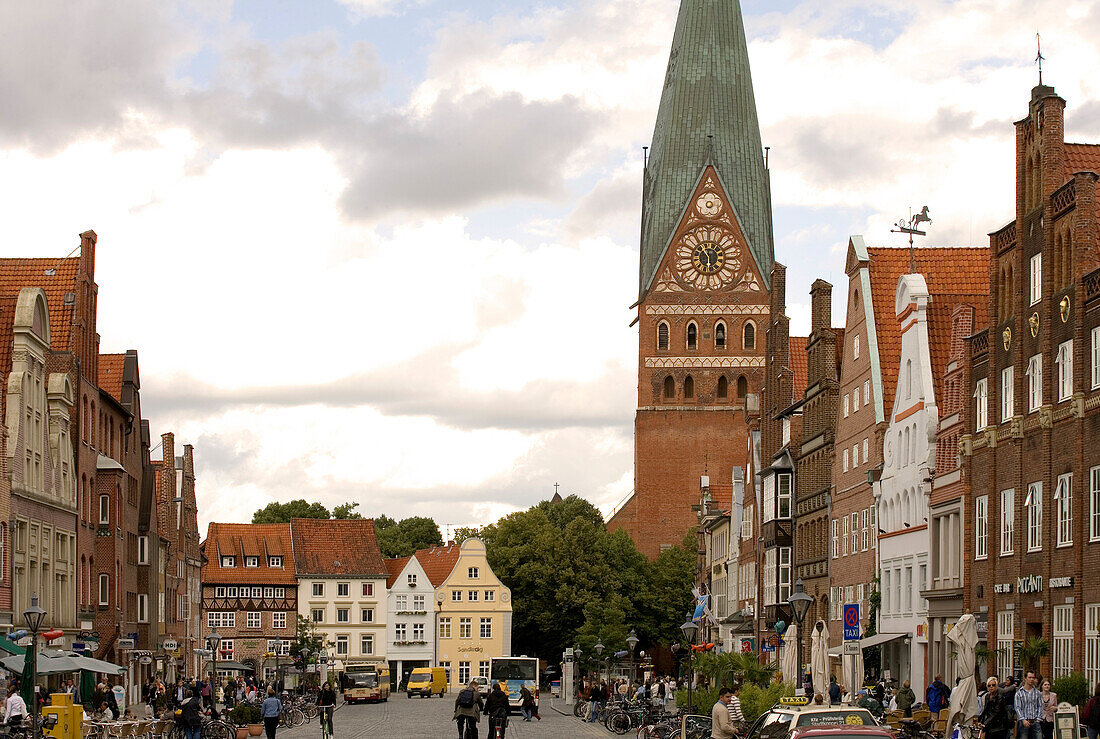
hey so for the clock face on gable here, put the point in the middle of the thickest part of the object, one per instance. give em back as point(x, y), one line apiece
point(709, 258)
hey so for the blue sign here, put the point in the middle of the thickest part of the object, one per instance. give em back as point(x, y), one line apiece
point(851, 621)
point(767, 647)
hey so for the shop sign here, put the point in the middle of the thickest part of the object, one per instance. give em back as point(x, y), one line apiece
point(1029, 584)
point(1002, 587)
point(1061, 582)
point(981, 620)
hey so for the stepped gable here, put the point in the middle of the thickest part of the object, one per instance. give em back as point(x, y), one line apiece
point(325, 546)
point(707, 115)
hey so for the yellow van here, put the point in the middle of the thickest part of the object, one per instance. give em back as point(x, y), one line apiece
point(427, 681)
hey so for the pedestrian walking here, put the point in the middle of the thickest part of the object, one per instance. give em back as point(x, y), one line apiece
point(1091, 716)
point(270, 711)
point(995, 716)
point(468, 709)
point(720, 725)
point(1050, 705)
point(528, 707)
point(835, 691)
point(191, 716)
point(938, 695)
point(906, 698)
point(1029, 709)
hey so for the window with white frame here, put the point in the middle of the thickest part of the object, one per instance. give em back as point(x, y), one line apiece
point(343, 589)
point(252, 620)
point(219, 592)
point(463, 673)
point(844, 465)
point(105, 517)
point(1095, 360)
point(318, 589)
point(834, 603)
point(400, 632)
point(472, 573)
point(269, 593)
point(1065, 370)
point(1034, 383)
point(368, 590)
point(465, 628)
point(343, 615)
point(866, 392)
point(1036, 292)
point(861, 592)
point(864, 533)
point(366, 644)
point(225, 649)
point(280, 592)
point(278, 620)
point(1008, 519)
point(456, 596)
point(411, 580)
point(445, 628)
point(232, 593)
point(835, 538)
point(981, 527)
point(981, 404)
point(844, 403)
point(366, 615)
point(784, 574)
point(143, 550)
point(251, 561)
point(1092, 643)
point(472, 595)
point(770, 590)
point(342, 645)
point(783, 495)
point(487, 628)
point(855, 399)
point(855, 346)
point(1033, 504)
point(1004, 644)
point(418, 632)
point(274, 561)
point(1094, 504)
point(221, 619)
point(1007, 378)
point(483, 668)
point(855, 532)
point(844, 543)
point(887, 602)
point(1063, 507)
point(257, 592)
point(874, 526)
point(855, 455)
point(866, 449)
point(1063, 640)
point(318, 615)
point(143, 608)
point(418, 603)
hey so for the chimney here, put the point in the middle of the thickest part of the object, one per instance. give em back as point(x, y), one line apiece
point(779, 289)
point(821, 301)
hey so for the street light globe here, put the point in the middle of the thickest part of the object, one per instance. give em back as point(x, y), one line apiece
point(632, 641)
point(689, 628)
point(799, 602)
point(599, 647)
point(34, 616)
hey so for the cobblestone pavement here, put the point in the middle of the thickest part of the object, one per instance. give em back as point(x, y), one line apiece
point(430, 718)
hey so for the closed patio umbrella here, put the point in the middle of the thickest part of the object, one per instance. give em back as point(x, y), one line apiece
point(819, 658)
point(964, 697)
point(791, 668)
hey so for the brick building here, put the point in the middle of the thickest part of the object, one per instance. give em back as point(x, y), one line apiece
point(180, 559)
point(1031, 442)
point(813, 474)
point(249, 590)
point(706, 253)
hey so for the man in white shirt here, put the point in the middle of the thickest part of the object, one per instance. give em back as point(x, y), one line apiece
point(14, 709)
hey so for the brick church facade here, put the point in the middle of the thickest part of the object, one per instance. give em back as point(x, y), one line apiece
point(706, 256)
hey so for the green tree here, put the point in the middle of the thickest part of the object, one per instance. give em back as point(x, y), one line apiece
point(462, 533)
point(305, 637)
point(282, 512)
point(346, 511)
point(404, 537)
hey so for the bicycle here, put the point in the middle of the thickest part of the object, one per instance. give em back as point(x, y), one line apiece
point(325, 715)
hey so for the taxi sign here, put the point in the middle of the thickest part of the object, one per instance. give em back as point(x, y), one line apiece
point(801, 700)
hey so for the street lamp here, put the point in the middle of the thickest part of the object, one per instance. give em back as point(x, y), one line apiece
point(213, 641)
point(689, 628)
point(631, 642)
point(800, 604)
point(33, 617)
point(599, 652)
point(577, 652)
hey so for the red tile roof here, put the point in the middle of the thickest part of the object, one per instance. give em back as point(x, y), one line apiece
point(243, 540)
point(336, 547)
point(954, 275)
point(394, 567)
point(1082, 158)
point(439, 561)
point(798, 365)
point(110, 374)
point(16, 274)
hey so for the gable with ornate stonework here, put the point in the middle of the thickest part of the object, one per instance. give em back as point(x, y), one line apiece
point(708, 253)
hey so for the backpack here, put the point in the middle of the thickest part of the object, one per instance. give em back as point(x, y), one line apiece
point(466, 698)
point(935, 699)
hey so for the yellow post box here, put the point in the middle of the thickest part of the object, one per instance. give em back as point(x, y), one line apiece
point(69, 717)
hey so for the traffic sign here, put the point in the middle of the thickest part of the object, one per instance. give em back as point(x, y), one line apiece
point(851, 621)
point(851, 647)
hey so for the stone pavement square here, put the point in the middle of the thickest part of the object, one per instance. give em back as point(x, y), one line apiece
point(430, 718)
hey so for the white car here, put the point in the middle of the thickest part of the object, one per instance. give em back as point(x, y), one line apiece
point(482, 686)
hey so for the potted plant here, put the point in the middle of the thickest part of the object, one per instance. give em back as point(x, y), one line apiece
point(247, 720)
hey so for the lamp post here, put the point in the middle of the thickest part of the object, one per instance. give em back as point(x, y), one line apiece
point(799, 602)
point(599, 652)
point(577, 652)
point(33, 617)
point(689, 628)
point(213, 641)
point(631, 642)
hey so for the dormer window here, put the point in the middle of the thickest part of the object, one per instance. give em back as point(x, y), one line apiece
point(229, 560)
point(412, 581)
point(274, 561)
point(251, 561)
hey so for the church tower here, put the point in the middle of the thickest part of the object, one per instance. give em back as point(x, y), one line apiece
point(706, 256)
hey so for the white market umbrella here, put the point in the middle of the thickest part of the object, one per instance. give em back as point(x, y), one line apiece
point(853, 673)
point(791, 668)
point(964, 696)
point(819, 658)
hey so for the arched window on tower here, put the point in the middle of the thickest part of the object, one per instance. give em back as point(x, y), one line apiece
point(742, 387)
point(749, 336)
point(693, 336)
point(670, 388)
point(689, 387)
point(662, 336)
point(723, 388)
point(720, 335)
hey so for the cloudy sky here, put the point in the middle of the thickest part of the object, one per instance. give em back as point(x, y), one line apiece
point(383, 250)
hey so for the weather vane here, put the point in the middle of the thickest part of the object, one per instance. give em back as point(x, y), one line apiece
point(912, 227)
point(1039, 56)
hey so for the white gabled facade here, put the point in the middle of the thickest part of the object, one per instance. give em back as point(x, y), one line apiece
point(410, 622)
point(909, 451)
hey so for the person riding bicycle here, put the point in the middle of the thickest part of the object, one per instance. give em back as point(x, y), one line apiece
point(496, 708)
point(326, 704)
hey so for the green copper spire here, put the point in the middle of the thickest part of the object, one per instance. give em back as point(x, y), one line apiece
point(707, 116)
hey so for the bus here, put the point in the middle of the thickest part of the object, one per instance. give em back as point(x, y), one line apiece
point(512, 673)
point(370, 683)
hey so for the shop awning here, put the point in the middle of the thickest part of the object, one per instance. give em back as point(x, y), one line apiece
point(870, 641)
point(7, 646)
point(231, 665)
